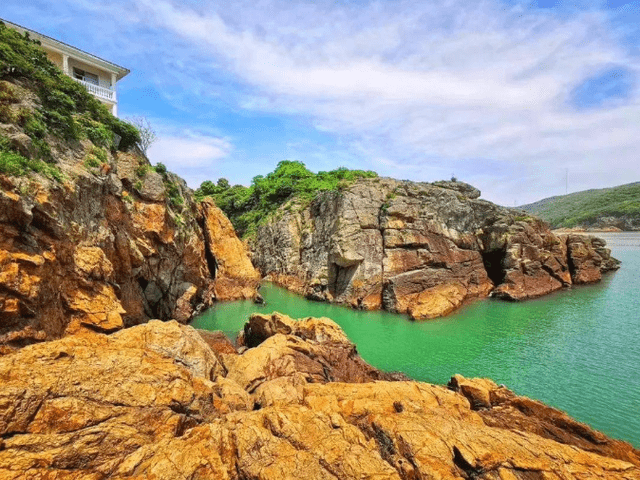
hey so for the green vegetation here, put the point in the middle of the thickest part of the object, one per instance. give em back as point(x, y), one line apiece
point(96, 157)
point(247, 207)
point(98, 133)
point(100, 154)
point(14, 164)
point(523, 218)
point(66, 110)
point(161, 168)
point(173, 192)
point(91, 162)
point(143, 168)
point(585, 208)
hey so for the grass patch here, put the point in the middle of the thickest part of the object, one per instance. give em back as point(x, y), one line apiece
point(96, 157)
point(174, 195)
point(142, 169)
point(91, 162)
point(100, 154)
point(14, 164)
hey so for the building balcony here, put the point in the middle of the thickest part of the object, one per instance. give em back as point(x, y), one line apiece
point(104, 93)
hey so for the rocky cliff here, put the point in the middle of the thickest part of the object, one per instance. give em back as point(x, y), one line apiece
point(110, 247)
point(235, 275)
point(419, 248)
point(155, 401)
point(97, 238)
point(91, 235)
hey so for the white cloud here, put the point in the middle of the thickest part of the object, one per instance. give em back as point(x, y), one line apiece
point(413, 81)
point(189, 150)
point(479, 89)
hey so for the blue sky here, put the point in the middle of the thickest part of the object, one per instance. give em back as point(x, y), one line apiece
point(506, 95)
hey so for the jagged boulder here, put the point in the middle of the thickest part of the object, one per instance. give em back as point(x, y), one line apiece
point(467, 190)
point(588, 258)
point(235, 276)
point(314, 349)
point(500, 407)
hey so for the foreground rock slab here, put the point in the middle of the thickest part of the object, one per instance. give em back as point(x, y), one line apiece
point(156, 401)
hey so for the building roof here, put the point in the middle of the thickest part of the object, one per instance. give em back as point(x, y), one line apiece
point(71, 50)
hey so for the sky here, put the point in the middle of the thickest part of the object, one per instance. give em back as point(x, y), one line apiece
point(522, 99)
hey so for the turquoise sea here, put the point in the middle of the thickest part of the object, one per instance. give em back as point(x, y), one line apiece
point(578, 350)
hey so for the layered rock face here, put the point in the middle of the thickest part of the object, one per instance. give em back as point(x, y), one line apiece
point(155, 401)
point(419, 248)
point(108, 247)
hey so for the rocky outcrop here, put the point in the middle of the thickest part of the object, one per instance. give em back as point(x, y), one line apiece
point(315, 347)
point(588, 258)
point(500, 407)
point(236, 278)
point(154, 401)
point(418, 248)
point(108, 247)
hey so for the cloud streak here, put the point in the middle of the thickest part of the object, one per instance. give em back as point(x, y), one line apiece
point(189, 151)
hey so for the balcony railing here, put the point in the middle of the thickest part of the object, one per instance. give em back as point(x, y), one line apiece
point(100, 92)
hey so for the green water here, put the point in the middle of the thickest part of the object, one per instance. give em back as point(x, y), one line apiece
point(577, 350)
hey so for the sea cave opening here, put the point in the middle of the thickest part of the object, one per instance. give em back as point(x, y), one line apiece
point(493, 264)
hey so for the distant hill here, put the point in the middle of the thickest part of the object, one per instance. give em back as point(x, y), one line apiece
point(607, 207)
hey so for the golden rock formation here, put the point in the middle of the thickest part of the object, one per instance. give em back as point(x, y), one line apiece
point(155, 401)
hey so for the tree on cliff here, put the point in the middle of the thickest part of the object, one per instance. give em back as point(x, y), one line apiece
point(208, 188)
point(147, 133)
point(247, 207)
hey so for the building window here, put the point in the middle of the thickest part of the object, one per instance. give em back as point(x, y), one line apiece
point(86, 76)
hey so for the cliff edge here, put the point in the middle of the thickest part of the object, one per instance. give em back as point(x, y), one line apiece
point(91, 235)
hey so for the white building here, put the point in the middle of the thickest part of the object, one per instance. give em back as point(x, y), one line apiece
point(97, 75)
